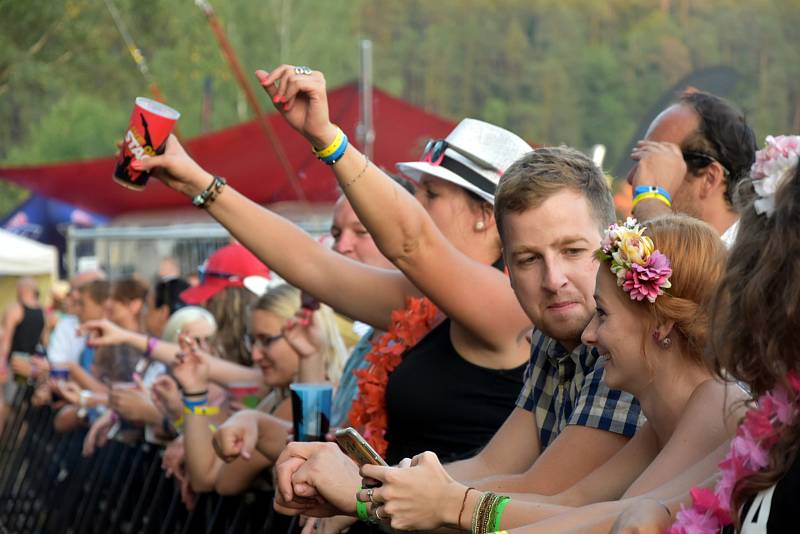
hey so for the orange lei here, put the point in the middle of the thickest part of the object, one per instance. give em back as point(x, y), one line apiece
point(409, 326)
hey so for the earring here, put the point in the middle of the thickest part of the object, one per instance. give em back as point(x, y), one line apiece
point(666, 343)
point(480, 226)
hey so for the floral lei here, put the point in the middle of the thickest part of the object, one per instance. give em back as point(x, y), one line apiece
point(641, 271)
point(409, 326)
point(749, 454)
point(773, 163)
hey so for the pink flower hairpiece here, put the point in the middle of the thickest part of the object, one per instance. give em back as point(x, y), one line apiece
point(773, 164)
point(641, 271)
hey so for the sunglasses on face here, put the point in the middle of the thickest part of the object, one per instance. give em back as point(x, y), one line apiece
point(259, 341)
point(701, 159)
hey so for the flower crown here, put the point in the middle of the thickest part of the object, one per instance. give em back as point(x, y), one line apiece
point(773, 164)
point(641, 271)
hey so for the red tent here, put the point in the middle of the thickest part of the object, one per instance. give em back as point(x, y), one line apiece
point(244, 156)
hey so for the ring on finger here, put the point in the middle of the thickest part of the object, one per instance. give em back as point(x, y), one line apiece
point(378, 513)
point(302, 70)
point(369, 494)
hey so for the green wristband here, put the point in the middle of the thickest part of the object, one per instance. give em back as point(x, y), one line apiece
point(361, 509)
point(498, 513)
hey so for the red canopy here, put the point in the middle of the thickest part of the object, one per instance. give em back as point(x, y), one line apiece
point(244, 156)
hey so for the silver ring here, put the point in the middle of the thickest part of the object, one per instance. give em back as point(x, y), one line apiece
point(302, 70)
point(378, 513)
point(369, 494)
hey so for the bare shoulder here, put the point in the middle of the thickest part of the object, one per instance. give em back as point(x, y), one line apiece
point(716, 397)
point(13, 312)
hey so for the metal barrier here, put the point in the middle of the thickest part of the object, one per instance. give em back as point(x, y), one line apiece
point(46, 486)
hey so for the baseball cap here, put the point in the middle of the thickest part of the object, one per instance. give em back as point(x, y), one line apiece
point(226, 267)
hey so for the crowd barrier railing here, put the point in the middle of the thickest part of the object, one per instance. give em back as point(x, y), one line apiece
point(47, 486)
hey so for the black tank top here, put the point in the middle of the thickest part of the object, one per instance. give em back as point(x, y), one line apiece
point(28, 331)
point(438, 401)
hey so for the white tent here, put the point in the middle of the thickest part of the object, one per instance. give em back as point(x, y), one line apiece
point(23, 256)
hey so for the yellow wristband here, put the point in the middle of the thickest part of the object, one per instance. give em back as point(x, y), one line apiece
point(179, 422)
point(653, 196)
point(201, 410)
point(333, 147)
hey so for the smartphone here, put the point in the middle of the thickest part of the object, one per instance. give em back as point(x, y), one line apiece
point(357, 448)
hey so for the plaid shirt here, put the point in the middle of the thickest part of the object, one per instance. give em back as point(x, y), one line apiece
point(566, 388)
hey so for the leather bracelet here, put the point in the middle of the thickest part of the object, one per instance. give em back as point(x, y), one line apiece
point(197, 394)
point(463, 504)
point(205, 198)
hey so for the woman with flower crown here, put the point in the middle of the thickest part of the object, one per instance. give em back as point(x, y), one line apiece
point(651, 327)
point(757, 316)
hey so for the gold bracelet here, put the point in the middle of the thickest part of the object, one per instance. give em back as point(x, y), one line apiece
point(354, 180)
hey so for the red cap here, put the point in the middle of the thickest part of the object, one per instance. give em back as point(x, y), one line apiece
point(227, 267)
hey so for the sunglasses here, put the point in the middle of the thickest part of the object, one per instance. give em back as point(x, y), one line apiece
point(205, 273)
point(434, 150)
point(259, 341)
point(701, 159)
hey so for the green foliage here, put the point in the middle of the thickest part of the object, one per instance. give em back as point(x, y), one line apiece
point(554, 71)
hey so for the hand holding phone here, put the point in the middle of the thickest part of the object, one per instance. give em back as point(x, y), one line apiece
point(357, 448)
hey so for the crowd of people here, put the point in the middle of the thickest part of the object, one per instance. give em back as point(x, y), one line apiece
point(521, 358)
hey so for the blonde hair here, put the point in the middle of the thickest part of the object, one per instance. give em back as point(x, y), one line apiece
point(178, 320)
point(284, 301)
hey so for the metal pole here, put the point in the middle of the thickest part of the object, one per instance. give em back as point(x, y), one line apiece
point(365, 131)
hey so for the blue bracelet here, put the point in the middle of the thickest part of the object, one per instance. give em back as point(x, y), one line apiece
point(333, 158)
point(651, 189)
point(191, 403)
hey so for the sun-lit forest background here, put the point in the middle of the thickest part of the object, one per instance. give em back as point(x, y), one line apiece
point(553, 71)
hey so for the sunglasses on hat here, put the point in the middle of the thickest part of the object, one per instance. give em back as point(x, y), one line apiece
point(435, 149)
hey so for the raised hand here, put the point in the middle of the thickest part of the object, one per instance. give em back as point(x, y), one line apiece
point(237, 436)
point(191, 369)
point(304, 334)
point(659, 164)
point(103, 333)
point(299, 95)
point(176, 169)
point(167, 397)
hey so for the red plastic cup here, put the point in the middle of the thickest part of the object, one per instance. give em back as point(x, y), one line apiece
point(150, 125)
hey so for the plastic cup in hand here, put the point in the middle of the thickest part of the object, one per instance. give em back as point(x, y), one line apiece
point(59, 373)
point(150, 125)
point(246, 393)
point(311, 411)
